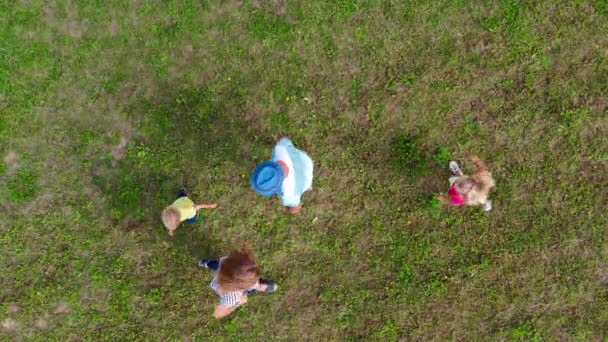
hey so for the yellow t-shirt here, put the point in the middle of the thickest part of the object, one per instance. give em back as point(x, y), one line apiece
point(185, 207)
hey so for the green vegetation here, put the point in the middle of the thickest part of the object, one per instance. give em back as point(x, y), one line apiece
point(107, 107)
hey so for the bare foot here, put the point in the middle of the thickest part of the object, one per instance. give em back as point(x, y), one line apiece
point(293, 210)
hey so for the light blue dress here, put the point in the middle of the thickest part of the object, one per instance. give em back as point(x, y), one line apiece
point(299, 179)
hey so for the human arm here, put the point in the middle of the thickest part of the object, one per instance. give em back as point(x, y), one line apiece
point(222, 310)
point(442, 198)
point(205, 206)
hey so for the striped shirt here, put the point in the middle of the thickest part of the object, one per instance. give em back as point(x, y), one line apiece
point(228, 299)
point(299, 178)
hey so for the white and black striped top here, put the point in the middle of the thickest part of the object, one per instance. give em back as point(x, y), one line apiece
point(229, 299)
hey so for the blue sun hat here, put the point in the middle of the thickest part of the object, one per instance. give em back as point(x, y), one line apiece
point(267, 178)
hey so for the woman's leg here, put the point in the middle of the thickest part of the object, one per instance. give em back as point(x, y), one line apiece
point(209, 264)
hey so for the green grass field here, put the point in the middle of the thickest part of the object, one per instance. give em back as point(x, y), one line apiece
point(107, 107)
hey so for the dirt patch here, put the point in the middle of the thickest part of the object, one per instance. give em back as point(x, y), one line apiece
point(432, 183)
point(41, 324)
point(601, 277)
point(119, 151)
point(9, 325)
point(154, 281)
point(187, 51)
point(253, 115)
point(591, 172)
point(131, 224)
point(11, 160)
point(13, 308)
point(393, 104)
point(68, 25)
point(221, 8)
point(95, 298)
point(597, 128)
point(41, 203)
point(302, 295)
point(363, 242)
point(394, 107)
point(62, 308)
point(113, 27)
point(124, 126)
point(74, 29)
point(279, 6)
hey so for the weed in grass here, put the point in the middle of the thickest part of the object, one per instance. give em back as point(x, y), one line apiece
point(327, 42)
point(442, 156)
point(279, 122)
point(602, 6)
point(23, 186)
point(408, 156)
point(525, 332)
point(388, 332)
point(232, 329)
point(408, 79)
point(405, 274)
point(3, 168)
point(355, 90)
point(433, 205)
point(154, 296)
point(511, 12)
point(570, 121)
point(265, 25)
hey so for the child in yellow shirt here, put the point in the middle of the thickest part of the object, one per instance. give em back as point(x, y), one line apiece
point(183, 209)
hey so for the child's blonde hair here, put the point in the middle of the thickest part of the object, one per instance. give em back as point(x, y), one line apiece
point(239, 271)
point(170, 217)
point(481, 184)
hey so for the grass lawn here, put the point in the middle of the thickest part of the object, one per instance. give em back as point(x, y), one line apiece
point(107, 107)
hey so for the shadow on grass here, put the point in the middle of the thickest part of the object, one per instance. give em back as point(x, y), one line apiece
point(178, 140)
point(198, 244)
point(426, 165)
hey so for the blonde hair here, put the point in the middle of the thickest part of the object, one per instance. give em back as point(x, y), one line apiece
point(239, 271)
point(170, 217)
point(482, 184)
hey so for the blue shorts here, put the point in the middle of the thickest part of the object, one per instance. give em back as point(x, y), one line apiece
point(192, 220)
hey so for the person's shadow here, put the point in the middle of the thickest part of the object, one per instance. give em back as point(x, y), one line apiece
point(183, 139)
point(193, 236)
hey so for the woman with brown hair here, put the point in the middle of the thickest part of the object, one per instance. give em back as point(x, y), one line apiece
point(238, 275)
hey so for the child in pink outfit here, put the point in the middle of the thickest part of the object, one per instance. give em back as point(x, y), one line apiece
point(456, 198)
point(469, 190)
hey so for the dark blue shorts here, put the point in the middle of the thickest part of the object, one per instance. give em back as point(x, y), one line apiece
point(193, 219)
